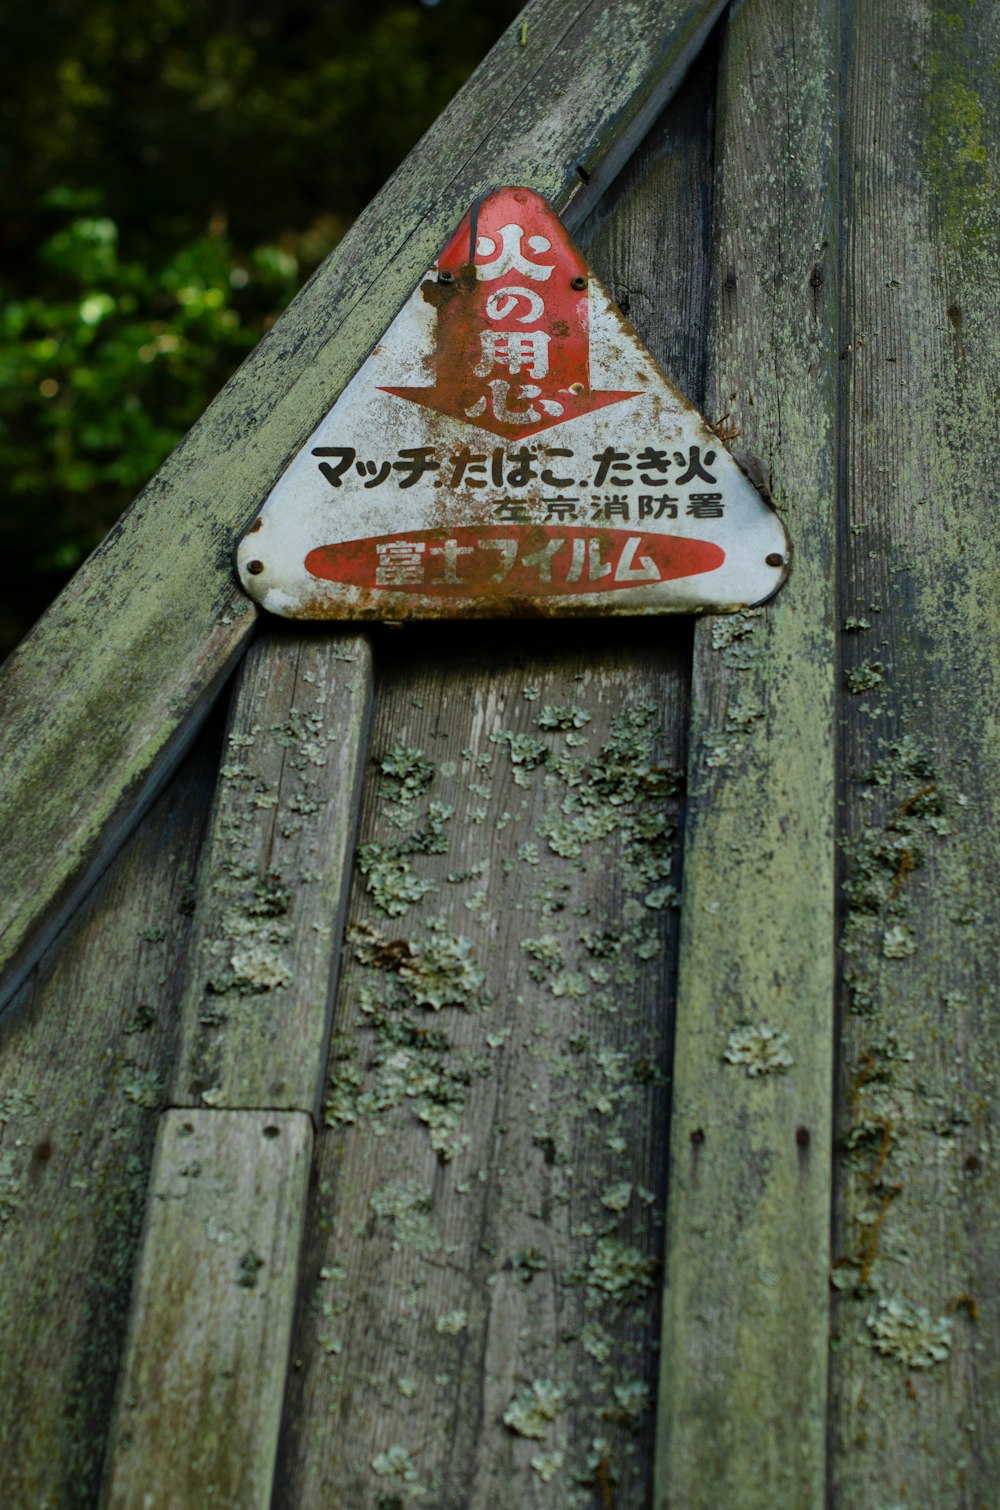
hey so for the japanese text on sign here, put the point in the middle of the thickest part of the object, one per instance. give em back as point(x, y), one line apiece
point(503, 468)
point(510, 447)
point(542, 560)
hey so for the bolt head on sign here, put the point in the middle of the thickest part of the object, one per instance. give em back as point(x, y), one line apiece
point(511, 448)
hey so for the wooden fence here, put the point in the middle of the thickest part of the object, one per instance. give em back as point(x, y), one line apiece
point(546, 1066)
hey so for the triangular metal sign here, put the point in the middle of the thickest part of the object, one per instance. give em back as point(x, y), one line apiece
point(511, 448)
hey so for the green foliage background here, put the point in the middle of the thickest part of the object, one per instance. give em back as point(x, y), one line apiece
point(170, 173)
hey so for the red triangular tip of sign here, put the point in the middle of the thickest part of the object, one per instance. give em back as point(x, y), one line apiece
point(512, 340)
point(444, 399)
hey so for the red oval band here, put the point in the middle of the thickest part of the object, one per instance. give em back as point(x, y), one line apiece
point(485, 560)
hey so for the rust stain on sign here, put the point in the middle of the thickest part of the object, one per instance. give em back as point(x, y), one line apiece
point(512, 344)
point(510, 447)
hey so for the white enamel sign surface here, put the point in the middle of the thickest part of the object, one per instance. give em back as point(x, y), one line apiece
point(511, 448)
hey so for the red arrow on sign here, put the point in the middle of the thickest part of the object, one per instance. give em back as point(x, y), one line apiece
point(513, 327)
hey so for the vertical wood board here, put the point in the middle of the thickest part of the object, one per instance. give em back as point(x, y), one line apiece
point(916, 1362)
point(479, 1306)
point(199, 1403)
point(744, 1350)
point(409, 1354)
point(649, 238)
point(273, 883)
point(84, 1062)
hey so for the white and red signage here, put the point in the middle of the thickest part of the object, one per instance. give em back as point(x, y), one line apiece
point(510, 447)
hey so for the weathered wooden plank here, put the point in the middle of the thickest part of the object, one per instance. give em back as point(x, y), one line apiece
point(744, 1352)
point(649, 239)
point(490, 1184)
point(358, 1399)
point(83, 1064)
point(916, 1368)
point(274, 880)
point(131, 654)
point(199, 1403)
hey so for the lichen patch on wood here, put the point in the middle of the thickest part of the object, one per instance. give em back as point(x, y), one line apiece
point(495, 1086)
point(83, 1065)
point(255, 1011)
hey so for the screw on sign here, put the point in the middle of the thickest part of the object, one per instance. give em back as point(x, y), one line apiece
point(510, 447)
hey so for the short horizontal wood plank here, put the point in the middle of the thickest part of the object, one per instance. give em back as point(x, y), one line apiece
point(84, 1061)
point(744, 1353)
point(99, 699)
point(200, 1396)
point(275, 876)
point(915, 1379)
point(480, 1305)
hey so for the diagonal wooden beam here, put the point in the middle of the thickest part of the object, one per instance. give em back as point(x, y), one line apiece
point(101, 699)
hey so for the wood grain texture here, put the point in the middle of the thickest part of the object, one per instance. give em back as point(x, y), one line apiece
point(479, 1308)
point(255, 1015)
point(916, 1363)
point(744, 1352)
point(84, 1060)
point(199, 1402)
point(440, 1291)
point(129, 657)
point(649, 239)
